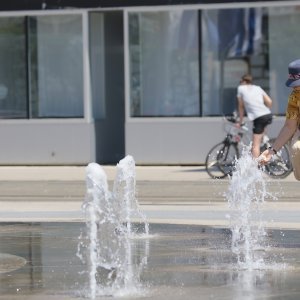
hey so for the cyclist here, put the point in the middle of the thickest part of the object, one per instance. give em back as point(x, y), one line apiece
point(256, 103)
point(290, 130)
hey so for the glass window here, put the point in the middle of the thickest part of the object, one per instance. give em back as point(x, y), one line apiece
point(97, 64)
point(56, 66)
point(164, 63)
point(13, 79)
point(284, 45)
point(261, 41)
point(233, 43)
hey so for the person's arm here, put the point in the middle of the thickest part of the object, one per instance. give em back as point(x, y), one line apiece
point(267, 100)
point(241, 109)
point(285, 134)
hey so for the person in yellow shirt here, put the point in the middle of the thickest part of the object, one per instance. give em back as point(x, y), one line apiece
point(290, 131)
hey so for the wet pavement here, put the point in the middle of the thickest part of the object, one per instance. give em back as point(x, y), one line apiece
point(183, 262)
point(188, 251)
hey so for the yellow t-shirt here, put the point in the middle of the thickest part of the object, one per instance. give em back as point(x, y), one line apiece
point(293, 108)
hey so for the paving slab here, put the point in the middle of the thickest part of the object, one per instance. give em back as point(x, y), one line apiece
point(167, 194)
point(188, 252)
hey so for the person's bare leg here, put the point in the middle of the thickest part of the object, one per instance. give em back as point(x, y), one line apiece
point(256, 141)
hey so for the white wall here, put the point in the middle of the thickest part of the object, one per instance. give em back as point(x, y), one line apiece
point(42, 142)
point(177, 140)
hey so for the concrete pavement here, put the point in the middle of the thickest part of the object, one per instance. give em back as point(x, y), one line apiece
point(77, 173)
point(41, 220)
point(38, 261)
point(167, 194)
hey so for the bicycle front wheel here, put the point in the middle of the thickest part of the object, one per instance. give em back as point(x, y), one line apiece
point(280, 166)
point(220, 160)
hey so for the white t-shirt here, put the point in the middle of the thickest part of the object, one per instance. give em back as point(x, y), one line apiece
point(252, 96)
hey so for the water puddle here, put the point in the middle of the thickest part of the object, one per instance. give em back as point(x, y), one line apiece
point(180, 257)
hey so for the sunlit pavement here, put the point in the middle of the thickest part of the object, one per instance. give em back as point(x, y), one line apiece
point(166, 194)
point(41, 220)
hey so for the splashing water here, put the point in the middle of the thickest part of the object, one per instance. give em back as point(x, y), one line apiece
point(105, 245)
point(125, 196)
point(246, 195)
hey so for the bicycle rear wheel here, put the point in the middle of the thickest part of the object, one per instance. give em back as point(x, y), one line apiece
point(220, 160)
point(280, 166)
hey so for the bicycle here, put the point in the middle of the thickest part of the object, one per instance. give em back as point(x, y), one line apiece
point(220, 160)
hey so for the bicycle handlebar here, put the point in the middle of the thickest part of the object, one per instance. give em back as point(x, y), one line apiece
point(232, 128)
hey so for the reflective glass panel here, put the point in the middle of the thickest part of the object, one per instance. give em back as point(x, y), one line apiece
point(164, 64)
point(56, 66)
point(284, 45)
point(97, 64)
point(13, 79)
point(233, 44)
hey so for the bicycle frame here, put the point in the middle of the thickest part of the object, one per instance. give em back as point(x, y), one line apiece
point(242, 135)
point(221, 158)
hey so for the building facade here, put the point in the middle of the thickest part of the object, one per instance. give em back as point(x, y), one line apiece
point(84, 81)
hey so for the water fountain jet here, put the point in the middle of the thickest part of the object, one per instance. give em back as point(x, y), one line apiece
point(246, 196)
point(105, 245)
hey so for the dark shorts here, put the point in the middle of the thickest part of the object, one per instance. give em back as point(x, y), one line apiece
point(261, 123)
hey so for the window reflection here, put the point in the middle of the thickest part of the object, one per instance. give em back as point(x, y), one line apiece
point(56, 66)
point(164, 63)
point(13, 90)
point(165, 56)
point(41, 72)
point(284, 45)
point(233, 46)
